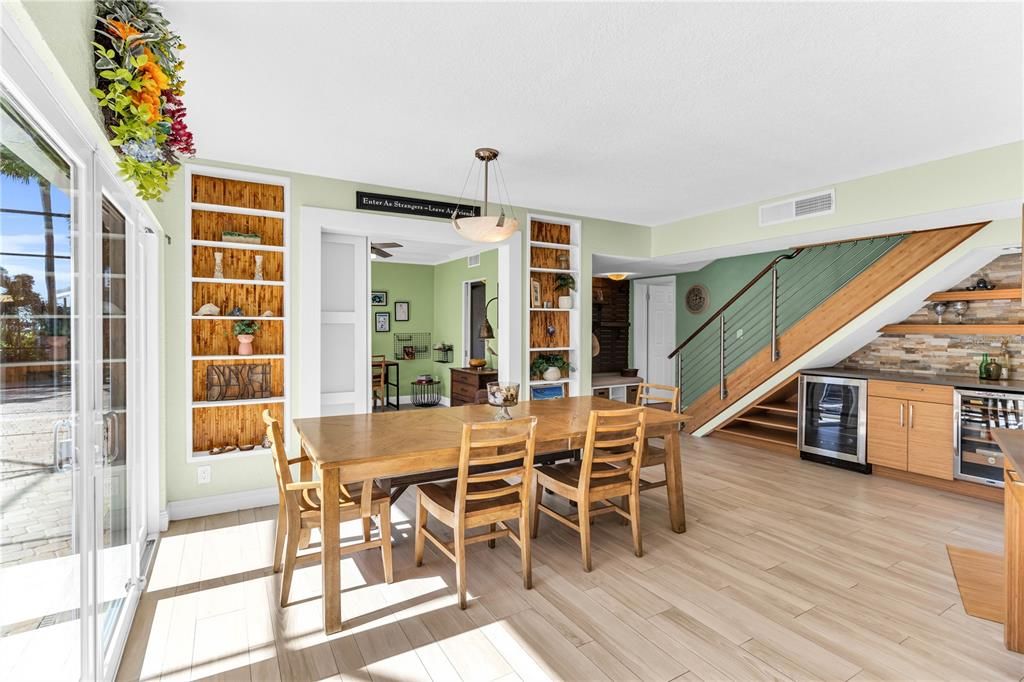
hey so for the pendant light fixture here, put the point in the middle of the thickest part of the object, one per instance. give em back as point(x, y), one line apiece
point(484, 227)
point(618, 276)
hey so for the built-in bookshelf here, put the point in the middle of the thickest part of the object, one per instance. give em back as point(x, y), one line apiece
point(554, 329)
point(238, 262)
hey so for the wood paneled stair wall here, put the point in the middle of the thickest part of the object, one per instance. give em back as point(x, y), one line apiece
point(770, 424)
point(899, 265)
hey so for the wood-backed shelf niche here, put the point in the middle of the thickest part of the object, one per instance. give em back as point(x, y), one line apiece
point(230, 391)
point(554, 250)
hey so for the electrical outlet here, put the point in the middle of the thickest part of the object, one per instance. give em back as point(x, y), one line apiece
point(739, 333)
point(203, 474)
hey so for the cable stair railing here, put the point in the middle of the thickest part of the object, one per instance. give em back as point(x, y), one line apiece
point(780, 295)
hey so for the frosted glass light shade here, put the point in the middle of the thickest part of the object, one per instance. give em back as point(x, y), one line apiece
point(485, 228)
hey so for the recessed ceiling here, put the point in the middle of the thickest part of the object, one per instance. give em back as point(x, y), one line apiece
point(644, 113)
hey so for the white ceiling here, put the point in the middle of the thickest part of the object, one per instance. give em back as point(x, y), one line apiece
point(641, 113)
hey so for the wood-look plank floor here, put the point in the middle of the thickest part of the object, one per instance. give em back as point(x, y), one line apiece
point(789, 570)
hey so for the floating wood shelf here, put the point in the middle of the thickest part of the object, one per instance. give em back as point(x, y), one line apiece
point(954, 329)
point(987, 295)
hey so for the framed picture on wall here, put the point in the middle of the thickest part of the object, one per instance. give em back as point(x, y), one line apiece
point(401, 311)
point(378, 298)
point(382, 322)
point(534, 293)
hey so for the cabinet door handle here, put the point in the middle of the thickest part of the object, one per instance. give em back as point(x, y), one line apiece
point(901, 414)
point(911, 415)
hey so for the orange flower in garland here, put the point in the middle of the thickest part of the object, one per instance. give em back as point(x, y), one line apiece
point(122, 30)
point(154, 82)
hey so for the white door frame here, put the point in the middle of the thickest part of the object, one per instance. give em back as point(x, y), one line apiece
point(639, 320)
point(467, 333)
point(314, 220)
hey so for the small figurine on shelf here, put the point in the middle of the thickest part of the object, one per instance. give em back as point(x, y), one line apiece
point(218, 265)
point(236, 311)
point(259, 269)
point(244, 330)
point(207, 309)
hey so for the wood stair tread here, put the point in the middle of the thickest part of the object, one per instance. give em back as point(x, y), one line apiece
point(786, 408)
point(770, 420)
point(756, 432)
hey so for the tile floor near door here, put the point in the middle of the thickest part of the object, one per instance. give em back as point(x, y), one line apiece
point(788, 570)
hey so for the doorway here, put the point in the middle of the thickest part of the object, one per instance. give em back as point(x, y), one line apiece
point(475, 306)
point(654, 319)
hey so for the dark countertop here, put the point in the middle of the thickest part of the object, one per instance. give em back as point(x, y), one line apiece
point(955, 380)
point(1011, 442)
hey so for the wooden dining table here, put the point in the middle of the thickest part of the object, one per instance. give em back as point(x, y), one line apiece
point(354, 448)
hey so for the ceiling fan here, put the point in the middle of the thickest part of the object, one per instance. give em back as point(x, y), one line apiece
point(377, 249)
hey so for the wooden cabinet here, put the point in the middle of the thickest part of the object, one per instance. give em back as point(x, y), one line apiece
point(910, 427)
point(930, 439)
point(466, 381)
point(887, 432)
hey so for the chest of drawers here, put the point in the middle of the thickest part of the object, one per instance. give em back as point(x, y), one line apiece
point(466, 381)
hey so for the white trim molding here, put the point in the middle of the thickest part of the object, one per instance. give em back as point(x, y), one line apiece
point(218, 504)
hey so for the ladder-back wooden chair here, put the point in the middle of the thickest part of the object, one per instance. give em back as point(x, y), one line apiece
point(609, 469)
point(657, 396)
point(299, 512)
point(379, 377)
point(482, 495)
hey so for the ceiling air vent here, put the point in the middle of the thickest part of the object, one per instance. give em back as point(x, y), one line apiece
point(473, 261)
point(807, 206)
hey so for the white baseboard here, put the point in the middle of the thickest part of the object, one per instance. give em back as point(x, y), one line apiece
point(164, 520)
point(218, 504)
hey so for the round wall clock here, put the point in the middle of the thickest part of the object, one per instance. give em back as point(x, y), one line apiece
point(696, 299)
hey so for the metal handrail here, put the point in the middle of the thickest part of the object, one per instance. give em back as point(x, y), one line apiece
point(746, 287)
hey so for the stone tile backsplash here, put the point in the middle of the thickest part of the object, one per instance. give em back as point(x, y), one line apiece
point(953, 353)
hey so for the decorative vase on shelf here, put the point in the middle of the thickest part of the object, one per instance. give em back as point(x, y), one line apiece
point(259, 269)
point(552, 374)
point(565, 302)
point(218, 265)
point(245, 344)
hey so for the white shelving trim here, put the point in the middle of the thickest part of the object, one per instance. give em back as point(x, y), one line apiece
point(552, 245)
point(237, 245)
point(205, 456)
point(231, 403)
point(238, 210)
point(233, 317)
point(239, 357)
point(561, 271)
point(224, 280)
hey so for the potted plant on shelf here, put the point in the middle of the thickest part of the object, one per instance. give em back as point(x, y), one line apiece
point(549, 366)
point(565, 283)
point(244, 330)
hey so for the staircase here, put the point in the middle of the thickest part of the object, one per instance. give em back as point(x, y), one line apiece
point(771, 423)
point(797, 302)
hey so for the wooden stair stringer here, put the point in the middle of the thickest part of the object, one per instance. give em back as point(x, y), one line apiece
point(895, 268)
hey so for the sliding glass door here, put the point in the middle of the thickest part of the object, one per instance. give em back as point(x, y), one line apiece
point(73, 506)
point(41, 482)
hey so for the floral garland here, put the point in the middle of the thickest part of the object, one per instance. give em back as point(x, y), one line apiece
point(139, 89)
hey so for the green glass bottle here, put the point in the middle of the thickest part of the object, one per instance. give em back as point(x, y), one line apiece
point(983, 367)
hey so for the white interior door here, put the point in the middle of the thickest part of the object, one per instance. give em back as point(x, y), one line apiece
point(344, 343)
point(654, 319)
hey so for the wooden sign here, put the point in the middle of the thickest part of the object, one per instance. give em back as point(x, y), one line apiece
point(427, 208)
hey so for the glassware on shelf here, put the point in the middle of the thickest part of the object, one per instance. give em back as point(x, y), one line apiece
point(939, 308)
point(502, 395)
point(959, 307)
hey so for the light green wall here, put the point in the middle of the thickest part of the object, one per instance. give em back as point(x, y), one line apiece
point(67, 28)
point(403, 282)
point(448, 281)
point(973, 179)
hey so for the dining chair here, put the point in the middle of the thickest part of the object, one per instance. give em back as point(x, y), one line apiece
point(482, 495)
point(298, 512)
point(609, 469)
point(379, 375)
point(658, 396)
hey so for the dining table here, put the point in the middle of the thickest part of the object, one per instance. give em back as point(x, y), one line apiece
point(357, 447)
